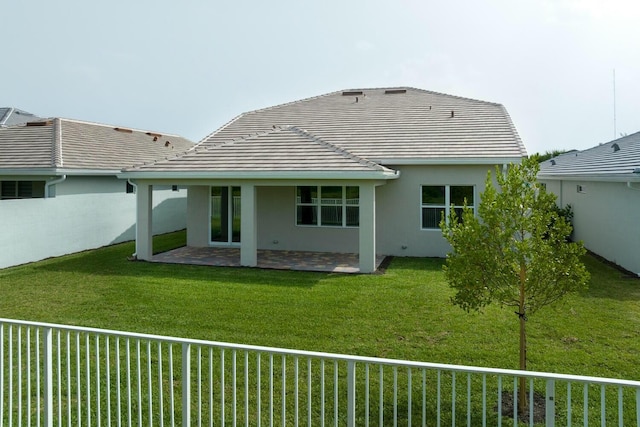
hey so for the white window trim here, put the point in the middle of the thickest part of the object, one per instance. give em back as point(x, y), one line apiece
point(447, 202)
point(318, 205)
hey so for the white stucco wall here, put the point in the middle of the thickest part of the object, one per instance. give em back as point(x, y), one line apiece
point(398, 215)
point(399, 208)
point(277, 223)
point(605, 218)
point(72, 222)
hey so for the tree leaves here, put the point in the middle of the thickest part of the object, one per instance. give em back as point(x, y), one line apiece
point(517, 226)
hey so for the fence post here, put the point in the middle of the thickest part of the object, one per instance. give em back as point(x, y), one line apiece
point(550, 404)
point(351, 393)
point(186, 384)
point(48, 377)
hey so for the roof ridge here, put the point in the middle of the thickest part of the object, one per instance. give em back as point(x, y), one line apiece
point(56, 153)
point(87, 122)
point(336, 149)
point(514, 130)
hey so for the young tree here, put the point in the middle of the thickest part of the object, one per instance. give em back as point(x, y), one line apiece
point(514, 252)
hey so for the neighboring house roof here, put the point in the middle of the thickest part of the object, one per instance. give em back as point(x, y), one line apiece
point(10, 116)
point(68, 145)
point(615, 160)
point(356, 128)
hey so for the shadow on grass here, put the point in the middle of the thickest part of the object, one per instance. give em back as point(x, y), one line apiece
point(609, 282)
point(112, 261)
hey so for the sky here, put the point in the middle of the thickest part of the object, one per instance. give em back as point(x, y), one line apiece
point(189, 67)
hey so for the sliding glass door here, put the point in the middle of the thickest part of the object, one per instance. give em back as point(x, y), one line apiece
point(225, 215)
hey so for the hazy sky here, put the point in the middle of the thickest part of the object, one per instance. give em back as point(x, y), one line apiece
point(188, 67)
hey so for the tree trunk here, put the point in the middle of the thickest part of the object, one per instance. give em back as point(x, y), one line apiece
point(522, 396)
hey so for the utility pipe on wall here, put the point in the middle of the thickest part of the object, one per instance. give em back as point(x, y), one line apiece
point(47, 185)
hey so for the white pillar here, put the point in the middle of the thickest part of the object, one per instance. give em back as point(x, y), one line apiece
point(367, 228)
point(144, 209)
point(248, 226)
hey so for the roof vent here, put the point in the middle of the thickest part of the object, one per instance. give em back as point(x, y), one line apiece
point(615, 147)
point(394, 91)
point(40, 123)
point(125, 130)
point(452, 114)
point(352, 92)
point(553, 162)
point(158, 135)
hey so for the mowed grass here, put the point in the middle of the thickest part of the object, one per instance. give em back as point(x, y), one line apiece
point(404, 313)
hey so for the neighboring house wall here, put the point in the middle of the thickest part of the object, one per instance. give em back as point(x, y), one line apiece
point(605, 218)
point(73, 221)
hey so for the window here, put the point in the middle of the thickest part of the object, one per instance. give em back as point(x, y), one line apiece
point(328, 206)
point(437, 201)
point(21, 190)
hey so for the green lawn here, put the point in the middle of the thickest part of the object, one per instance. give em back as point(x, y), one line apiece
point(404, 313)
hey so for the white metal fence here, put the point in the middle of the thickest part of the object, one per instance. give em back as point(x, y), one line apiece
point(55, 375)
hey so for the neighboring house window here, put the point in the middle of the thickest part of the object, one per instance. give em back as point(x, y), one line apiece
point(21, 190)
point(328, 206)
point(130, 189)
point(437, 201)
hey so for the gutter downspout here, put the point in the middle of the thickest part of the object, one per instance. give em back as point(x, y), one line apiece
point(135, 230)
point(47, 185)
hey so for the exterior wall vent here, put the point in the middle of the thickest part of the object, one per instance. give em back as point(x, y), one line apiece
point(40, 123)
point(352, 92)
point(394, 91)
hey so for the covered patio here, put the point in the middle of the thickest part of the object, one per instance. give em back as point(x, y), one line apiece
point(272, 259)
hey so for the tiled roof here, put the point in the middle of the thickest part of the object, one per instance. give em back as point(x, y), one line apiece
point(71, 144)
point(353, 131)
point(618, 158)
point(396, 123)
point(280, 149)
point(12, 116)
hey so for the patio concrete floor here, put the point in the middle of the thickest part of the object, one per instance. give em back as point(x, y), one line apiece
point(279, 260)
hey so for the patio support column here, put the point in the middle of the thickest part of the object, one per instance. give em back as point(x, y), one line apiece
point(367, 228)
point(248, 226)
point(144, 233)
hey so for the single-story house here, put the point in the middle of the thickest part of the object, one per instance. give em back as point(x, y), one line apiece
point(602, 185)
point(59, 190)
point(366, 171)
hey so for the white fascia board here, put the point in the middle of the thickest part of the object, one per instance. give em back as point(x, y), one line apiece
point(59, 172)
point(317, 175)
point(591, 177)
point(450, 161)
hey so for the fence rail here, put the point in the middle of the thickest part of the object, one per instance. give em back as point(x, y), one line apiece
point(72, 376)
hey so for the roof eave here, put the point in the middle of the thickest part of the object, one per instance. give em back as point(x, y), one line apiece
point(626, 177)
point(322, 175)
point(449, 161)
point(58, 171)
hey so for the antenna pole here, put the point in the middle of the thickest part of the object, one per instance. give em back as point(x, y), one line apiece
point(615, 133)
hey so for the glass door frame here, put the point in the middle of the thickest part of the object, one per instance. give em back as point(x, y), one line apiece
point(230, 214)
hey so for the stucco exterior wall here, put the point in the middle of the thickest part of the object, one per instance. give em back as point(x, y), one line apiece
point(398, 216)
point(605, 218)
point(277, 227)
point(73, 222)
